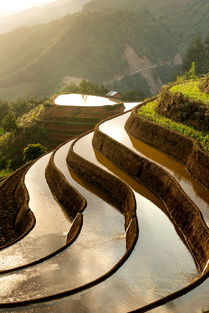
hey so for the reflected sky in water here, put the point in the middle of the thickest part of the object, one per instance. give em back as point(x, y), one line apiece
point(86, 100)
point(83, 100)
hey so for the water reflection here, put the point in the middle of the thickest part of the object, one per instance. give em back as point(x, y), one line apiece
point(198, 194)
point(92, 101)
point(83, 100)
point(159, 264)
point(52, 224)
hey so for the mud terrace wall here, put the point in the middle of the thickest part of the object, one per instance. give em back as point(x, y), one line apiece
point(182, 211)
point(111, 186)
point(25, 219)
point(182, 109)
point(69, 198)
point(180, 147)
point(16, 217)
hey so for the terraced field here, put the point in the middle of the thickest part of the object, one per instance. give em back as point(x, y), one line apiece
point(120, 227)
point(64, 122)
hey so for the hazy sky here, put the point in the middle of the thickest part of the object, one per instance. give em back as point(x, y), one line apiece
point(10, 6)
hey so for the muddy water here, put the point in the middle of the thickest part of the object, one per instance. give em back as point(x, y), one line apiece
point(159, 264)
point(115, 129)
point(97, 249)
point(196, 301)
point(52, 225)
point(82, 100)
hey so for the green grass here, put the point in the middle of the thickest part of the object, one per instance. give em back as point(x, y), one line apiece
point(1, 131)
point(30, 116)
point(148, 111)
point(5, 138)
point(191, 90)
point(4, 174)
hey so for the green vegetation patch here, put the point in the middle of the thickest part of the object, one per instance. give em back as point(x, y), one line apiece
point(4, 174)
point(191, 90)
point(1, 131)
point(148, 111)
point(30, 116)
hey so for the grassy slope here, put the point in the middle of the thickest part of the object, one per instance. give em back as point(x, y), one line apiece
point(148, 111)
point(191, 90)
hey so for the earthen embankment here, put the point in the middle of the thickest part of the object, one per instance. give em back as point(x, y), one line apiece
point(109, 184)
point(69, 198)
point(182, 211)
point(16, 217)
point(183, 109)
point(183, 148)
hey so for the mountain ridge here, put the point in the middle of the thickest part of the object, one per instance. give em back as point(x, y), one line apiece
point(92, 44)
point(44, 14)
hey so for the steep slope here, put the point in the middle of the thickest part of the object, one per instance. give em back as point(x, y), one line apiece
point(111, 42)
point(187, 17)
point(81, 46)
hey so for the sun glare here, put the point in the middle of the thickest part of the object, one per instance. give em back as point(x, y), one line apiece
point(19, 5)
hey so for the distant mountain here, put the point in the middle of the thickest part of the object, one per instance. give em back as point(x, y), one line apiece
point(186, 17)
point(48, 12)
point(126, 44)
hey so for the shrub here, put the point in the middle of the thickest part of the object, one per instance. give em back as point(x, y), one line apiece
point(9, 123)
point(33, 151)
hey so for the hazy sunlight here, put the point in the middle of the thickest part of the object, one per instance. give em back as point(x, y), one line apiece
point(14, 6)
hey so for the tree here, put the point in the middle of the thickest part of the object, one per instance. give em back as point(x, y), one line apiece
point(133, 95)
point(197, 53)
point(86, 87)
point(4, 109)
point(207, 45)
point(9, 122)
point(191, 74)
point(33, 151)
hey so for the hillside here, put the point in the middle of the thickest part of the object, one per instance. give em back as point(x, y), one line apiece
point(122, 44)
point(185, 18)
point(182, 108)
point(81, 46)
point(46, 13)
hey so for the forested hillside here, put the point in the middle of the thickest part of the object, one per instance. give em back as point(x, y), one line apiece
point(136, 44)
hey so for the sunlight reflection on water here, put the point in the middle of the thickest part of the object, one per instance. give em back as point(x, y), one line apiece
point(83, 100)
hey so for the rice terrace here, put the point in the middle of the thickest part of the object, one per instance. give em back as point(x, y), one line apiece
point(114, 220)
point(104, 156)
